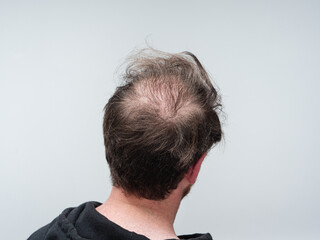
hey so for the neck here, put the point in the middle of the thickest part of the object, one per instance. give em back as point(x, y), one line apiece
point(151, 218)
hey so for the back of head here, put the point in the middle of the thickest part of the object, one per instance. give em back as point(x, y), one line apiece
point(159, 122)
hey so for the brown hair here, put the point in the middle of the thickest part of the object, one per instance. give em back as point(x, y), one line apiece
point(159, 122)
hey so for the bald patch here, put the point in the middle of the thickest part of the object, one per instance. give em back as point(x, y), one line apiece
point(167, 98)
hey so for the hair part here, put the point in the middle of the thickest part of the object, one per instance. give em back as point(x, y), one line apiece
point(159, 122)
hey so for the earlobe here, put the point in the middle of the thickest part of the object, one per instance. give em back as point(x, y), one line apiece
point(195, 169)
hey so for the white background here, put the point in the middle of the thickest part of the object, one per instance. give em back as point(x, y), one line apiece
point(57, 65)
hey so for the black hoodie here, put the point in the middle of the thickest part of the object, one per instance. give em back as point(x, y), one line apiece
point(84, 222)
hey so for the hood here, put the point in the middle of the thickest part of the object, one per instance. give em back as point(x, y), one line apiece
point(84, 223)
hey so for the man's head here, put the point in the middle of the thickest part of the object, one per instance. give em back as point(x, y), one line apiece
point(159, 123)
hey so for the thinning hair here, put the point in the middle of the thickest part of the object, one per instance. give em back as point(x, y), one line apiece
point(159, 122)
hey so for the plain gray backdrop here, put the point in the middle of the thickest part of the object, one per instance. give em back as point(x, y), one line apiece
point(57, 70)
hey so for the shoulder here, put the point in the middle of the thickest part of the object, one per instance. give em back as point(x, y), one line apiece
point(63, 226)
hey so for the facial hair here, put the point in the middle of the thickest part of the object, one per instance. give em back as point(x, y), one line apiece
point(186, 191)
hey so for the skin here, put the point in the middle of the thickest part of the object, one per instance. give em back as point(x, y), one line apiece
point(153, 219)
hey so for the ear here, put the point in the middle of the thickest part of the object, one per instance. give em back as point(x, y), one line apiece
point(194, 170)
